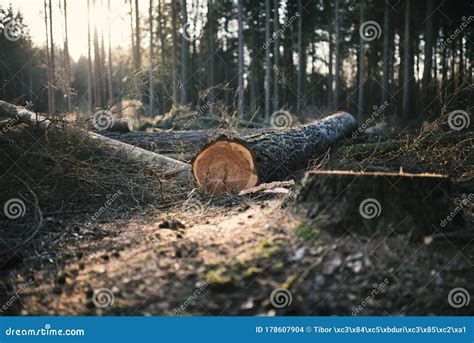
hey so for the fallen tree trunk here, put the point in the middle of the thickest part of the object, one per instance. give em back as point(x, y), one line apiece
point(232, 164)
point(362, 203)
point(163, 164)
point(173, 142)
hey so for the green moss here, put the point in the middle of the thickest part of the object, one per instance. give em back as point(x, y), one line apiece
point(218, 276)
point(252, 271)
point(304, 230)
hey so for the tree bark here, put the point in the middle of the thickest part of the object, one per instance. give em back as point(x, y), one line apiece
point(150, 58)
point(386, 53)
point(48, 59)
point(268, 64)
point(138, 60)
point(184, 55)
point(407, 63)
point(361, 68)
point(240, 105)
point(109, 62)
point(276, 53)
point(343, 202)
point(67, 66)
point(90, 76)
point(301, 61)
point(53, 77)
point(174, 72)
point(229, 164)
point(172, 142)
point(337, 73)
point(428, 54)
point(211, 65)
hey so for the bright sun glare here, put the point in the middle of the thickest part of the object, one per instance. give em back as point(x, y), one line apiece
point(119, 19)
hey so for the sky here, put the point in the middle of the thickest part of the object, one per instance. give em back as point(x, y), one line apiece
point(33, 12)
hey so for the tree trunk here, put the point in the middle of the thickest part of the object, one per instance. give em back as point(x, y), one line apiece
point(386, 53)
point(361, 68)
point(227, 164)
point(268, 64)
point(165, 165)
point(330, 102)
point(300, 99)
point(48, 59)
point(175, 142)
point(407, 65)
point(90, 76)
point(174, 72)
point(212, 38)
point(184, 55)
point(51, 54)
point(276, 53)
point(164, 101)
point(67, 67)
point(428, 54)
point(150, 58)
point(337, 73)
point(138, 59)
point(240, 105)
point(109, 63)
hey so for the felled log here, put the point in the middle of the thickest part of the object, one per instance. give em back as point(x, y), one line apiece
point(144, 157)
point(346, 202)
point(172, 142)
point(233, 164)
point(120, 125)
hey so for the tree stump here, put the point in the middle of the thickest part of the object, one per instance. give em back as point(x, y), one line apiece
point(227, 165)
point(370, 203)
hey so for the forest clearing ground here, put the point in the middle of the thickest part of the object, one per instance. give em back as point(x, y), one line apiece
point(225, 257)
point(237, 255)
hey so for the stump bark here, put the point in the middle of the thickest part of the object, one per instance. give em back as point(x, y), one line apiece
point(232, 164)
point(370, 203)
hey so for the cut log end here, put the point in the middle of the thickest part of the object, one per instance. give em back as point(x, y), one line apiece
point(225, 166)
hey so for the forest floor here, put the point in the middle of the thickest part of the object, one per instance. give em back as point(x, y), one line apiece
point(224, 255)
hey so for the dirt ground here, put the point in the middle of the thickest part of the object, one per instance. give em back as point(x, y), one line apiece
point(231, 255)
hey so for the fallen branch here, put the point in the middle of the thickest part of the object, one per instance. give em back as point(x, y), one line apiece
point(165, 165)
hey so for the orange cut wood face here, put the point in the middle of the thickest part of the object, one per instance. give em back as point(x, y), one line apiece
point(224, 167)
